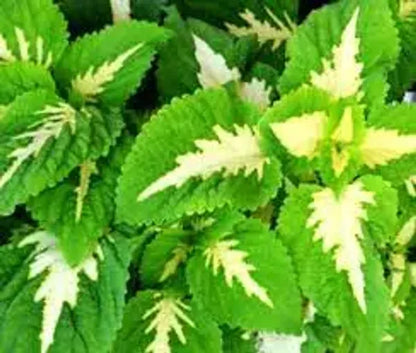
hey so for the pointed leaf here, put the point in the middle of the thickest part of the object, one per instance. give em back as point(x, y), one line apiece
point(108, 66)
point(244, 271)
point(60, 308)
point(31, 30)
point(207, 151)
point(156, 323)
point(43, 139)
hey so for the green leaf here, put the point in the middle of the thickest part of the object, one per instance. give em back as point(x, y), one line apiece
point(237, 341)
point(244, 277)
point(164, 255)
point(351, 46)
point(80, 209)
point(107, 66)
point(390, 148)
point(86, 301)
point(31, 30)
point(189, 159)
point(156, 322)
point(21, 77)
point(42, 139)
point(331, 240)
point(404, 337)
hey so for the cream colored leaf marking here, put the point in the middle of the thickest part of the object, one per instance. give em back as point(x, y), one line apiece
point(342, 76)
point(87, 169)
point(57, 117)
point(381, 146)
point(309, 130)
point(341, 137)
point(256, 92)
point(169, 314)
point(264, 31)
point(92, 83)
point(337, 222)
point(180, 255)
point(412, 271)
point(23, 44)
point(61, 283)
point(410, 185)
point(407, 8)
point(121, 10)
point(5, 53)
point(40, 53)
point(214, 71)
point(280, 343)
point(230, 154)
point(234, 263)
point(398, 259)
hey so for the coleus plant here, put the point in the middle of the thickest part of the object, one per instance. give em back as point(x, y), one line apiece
point(236, 215)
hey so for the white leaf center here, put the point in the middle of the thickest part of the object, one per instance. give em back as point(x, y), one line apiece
point(57, 117)
point(92, 83)
point(61, 284)
point(169, 314)
point(121, 10)
point(234, 263)
point(229, 154)
point(342, 76)
point(337, 222)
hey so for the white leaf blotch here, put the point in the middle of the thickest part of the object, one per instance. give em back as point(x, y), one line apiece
point(341, 77)
point(214, 71)
point(223, 255)
point(57, 117)
point(169, 314)
point(407, 8)
point(40, 53)
point(180, 254)
point(301, 135)
point(23, 44)
point(279, 343)
point(5, 52)
point(60, 285)
point(93, 82)
point(229, 154)
point(264, 31)
point(121, 10)
point(410, 185)
point(87, 169)
point(337, 222)
point(381, 146)
point(256, 92)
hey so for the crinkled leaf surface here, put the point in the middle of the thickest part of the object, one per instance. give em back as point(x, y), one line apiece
point(351, 46)
point(107, 66)
point(197, 154)
point(155, 323)
point(42, 139)
point(31, 30)
point(344, 282)
point(78, 211)
point(88, 326)
point(245, 278)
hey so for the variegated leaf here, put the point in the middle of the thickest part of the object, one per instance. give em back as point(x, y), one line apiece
point(215, 148)
point(242, 269)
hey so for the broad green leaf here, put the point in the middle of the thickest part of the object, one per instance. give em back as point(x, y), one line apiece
point(197, 154)
point(107, 66)
point(331, 238)
point(243, 271)
point(46, 306)
point(155, 322)
point(80, 209)
point(42, 139)
point(150, 10)
point(164, 256)
point(20, 77)
point(403, 339)
point(389, 147)
point(351, 46)
point(220, 13)
point(31, 30)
